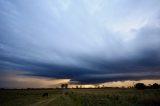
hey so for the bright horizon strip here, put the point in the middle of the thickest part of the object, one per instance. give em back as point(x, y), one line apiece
point(13, 80)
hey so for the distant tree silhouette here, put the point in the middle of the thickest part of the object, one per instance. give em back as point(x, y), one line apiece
point(77, 86)
point(140, 86)
point(155, 86)
point(64, 86)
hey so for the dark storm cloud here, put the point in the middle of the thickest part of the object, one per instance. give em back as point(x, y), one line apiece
point(145, 68)
point(83, 41)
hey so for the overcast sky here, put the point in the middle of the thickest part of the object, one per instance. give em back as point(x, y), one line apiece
point(89, 41)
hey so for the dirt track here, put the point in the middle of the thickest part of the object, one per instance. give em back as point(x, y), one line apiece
point(44, 102)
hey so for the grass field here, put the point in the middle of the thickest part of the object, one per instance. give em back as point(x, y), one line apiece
point(81, 97)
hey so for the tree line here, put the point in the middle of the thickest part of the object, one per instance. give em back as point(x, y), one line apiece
point(137, 86)
point(150, 86)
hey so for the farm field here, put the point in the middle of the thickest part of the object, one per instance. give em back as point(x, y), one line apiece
point(81, 97)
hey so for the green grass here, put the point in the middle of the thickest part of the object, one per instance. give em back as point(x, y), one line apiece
point(24, 97)
point(116, 97)
point(82, 97)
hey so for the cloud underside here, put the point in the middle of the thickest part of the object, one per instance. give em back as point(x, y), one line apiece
point(85, 41)
point(99, 70)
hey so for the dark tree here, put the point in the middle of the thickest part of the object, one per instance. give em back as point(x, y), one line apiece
point(140, 86)
point(77, 86)
point(64, 86)
point(155, 86)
